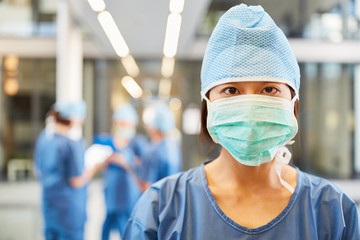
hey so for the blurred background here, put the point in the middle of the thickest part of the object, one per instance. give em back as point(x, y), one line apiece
point(135, 51)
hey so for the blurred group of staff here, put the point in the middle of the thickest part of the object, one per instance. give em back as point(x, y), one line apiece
point(130, 163)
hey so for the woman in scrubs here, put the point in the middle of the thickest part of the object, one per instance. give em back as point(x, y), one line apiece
point(163, 156)
point(250, 83)
point(59, 160)
point(123, 185)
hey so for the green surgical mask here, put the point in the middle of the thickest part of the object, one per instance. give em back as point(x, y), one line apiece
point(252, 127)
point(125, 133)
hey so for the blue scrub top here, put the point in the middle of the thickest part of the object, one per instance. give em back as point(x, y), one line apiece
point(182, 207)
point(57, 159)
point(162, 159)
point(121, 190)
point(139, 144)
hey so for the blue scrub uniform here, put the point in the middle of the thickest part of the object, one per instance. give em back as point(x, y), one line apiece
point(162, 159)
point(139, 144)
point(57, 159)
point(121, 191)
point(182, 207)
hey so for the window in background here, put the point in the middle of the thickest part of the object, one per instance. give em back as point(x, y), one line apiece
point(23, 113)
point(25, 18)
point(328, 20)
point(15, 18)
point(326, 120)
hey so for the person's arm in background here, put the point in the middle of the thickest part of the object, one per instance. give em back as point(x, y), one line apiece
point(79, 176)
point(121, 161)
point(88, 174)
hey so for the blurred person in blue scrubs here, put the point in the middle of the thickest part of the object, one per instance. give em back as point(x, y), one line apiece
point(250, 83)
point(122, 179)
point(163, 157)
point(59, 163)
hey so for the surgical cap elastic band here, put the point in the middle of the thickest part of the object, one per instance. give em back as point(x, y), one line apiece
point(250, 79)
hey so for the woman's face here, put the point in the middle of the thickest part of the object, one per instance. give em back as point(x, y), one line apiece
point(124, 129)
point(274, 89)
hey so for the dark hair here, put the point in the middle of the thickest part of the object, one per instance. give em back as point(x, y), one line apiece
point(58, 117)
point(205, 139)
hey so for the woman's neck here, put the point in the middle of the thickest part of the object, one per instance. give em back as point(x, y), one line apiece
point(242, 191)
point(157, 137)
point(62, 129)
point(227, 171)
point(121, 143)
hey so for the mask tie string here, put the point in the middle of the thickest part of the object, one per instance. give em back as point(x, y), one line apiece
point(283, 157)
point(50, 127)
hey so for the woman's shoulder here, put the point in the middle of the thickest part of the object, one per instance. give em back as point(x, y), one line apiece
point(329, 203)
point(162, 191)
point(316, 184)
point(164, 195)
point(322, 190)
point(54, 141)
point(191, 177)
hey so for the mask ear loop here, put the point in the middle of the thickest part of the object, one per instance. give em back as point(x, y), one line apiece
point(293, 100)
point(296, 97)
point(203, 96)
point(209, 116)
point(208, 103)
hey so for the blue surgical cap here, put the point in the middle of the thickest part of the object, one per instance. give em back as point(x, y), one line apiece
point(127, 113)
point(246, 45)
point(162, 119)
point(71, 109)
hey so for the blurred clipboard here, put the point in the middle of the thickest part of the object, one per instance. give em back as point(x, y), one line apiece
point(97, 153)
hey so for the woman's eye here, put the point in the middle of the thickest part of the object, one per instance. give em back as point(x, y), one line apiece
point(231, 90)
point(270, 90)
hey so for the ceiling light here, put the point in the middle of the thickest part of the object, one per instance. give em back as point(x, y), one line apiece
point(11, 63)
point(172, 34)
point(112, 32)
point(175, 104)
point(11, 86)
point(191, 119)
point(176, 6)
point(130, 65)
point(165, 87)
point(132, 87)
point(97, 5)
point(167, 67)
point(148, 115)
